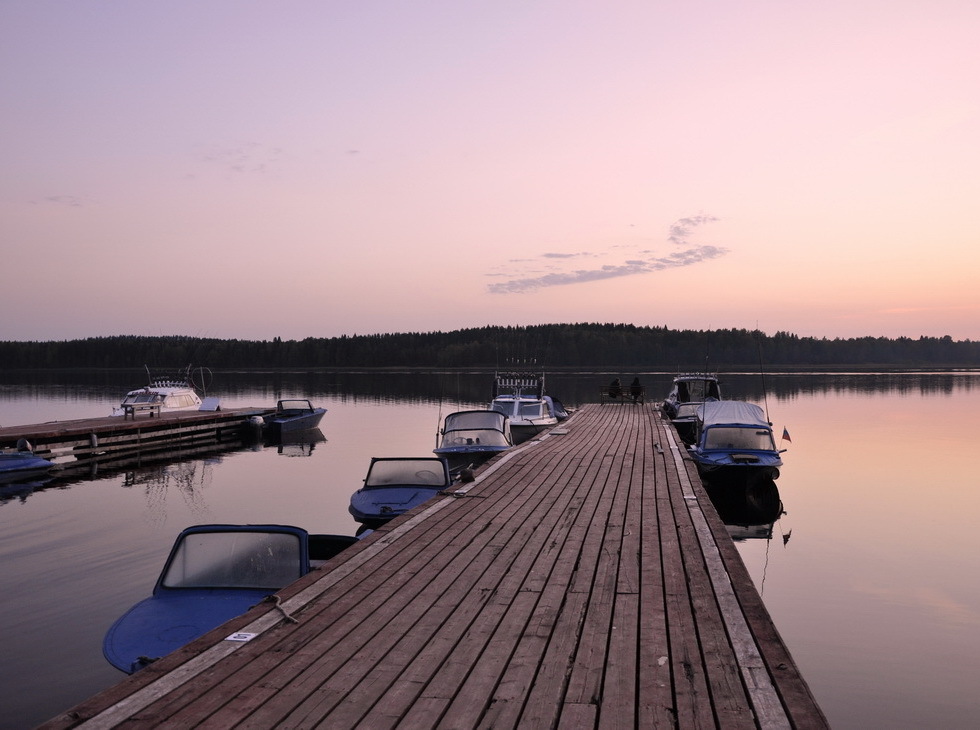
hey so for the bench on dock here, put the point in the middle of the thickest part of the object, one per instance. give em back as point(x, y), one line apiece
point(131, 409)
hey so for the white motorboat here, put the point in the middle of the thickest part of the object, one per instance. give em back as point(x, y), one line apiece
point(522, 398)
point(162, 394)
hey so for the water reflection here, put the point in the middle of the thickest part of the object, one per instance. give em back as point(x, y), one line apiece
point(158, 469)
point(298, 443)
point(20, 490)
point(160, 482)
point(748, 510)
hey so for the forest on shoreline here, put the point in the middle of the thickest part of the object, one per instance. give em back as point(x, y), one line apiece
point(535, 347)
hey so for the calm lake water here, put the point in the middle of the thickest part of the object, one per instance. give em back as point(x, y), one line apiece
point(871, 573)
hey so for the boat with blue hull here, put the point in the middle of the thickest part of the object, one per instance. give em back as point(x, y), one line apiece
point(20, 465)
point(214, 573)
point(292, 415)
point(394, 485)
point(734, 443)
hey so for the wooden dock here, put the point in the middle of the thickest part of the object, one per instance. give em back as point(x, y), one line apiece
point(583, 580)
point(72, 443)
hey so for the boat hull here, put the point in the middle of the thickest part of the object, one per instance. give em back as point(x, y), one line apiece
point(294, 424)
point(739, 470)
point(162, 624)
point(374, 507)
point(19, 465)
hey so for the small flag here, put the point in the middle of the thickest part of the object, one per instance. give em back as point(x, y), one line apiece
point(786, 435)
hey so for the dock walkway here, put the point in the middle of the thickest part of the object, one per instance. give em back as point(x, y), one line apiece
point(583, 580)
point(76, 443)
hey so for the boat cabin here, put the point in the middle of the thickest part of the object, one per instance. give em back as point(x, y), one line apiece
point(471, 430)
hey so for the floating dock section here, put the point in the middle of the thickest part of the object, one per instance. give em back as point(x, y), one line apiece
point(583, 580)
point(71, 444)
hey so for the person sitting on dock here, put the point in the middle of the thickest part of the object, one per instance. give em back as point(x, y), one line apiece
point(615, 389)
point(636, 391)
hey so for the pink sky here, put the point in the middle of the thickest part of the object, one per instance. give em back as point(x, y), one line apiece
point(310, 169)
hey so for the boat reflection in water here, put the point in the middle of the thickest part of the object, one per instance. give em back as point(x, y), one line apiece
point(298, 443)
point(748, 510)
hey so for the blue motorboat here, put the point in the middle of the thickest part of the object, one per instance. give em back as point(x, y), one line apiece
point(394, 485)
point(23, 464)
point(472, 437)
point(214, 573)
point(734, 443)
point(292, 415)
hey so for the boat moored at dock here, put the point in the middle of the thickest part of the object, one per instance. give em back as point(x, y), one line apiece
point(394, 485)
point(214, 573)
point(292, 415)
point(162, 394)
point(473, 437)
point(687, 393)
point(734, 443)
point(19, 465)
point(690, 388)
point(523, 399)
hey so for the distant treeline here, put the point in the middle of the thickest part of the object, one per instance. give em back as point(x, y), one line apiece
point(549, 346)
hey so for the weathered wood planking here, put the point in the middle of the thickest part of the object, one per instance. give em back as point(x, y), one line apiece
point(583, 580)
point(93, 438)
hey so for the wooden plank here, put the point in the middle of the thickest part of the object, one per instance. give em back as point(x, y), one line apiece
point(692, 699)
point(655, 702)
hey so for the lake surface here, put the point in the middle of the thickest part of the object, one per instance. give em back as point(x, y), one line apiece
point(870, 576)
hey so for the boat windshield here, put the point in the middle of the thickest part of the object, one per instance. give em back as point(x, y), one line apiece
point(474, 420)
point(294, 406)
point(687, 410)
point(503, 406)
point(697, 390)
point(180, 400)
point(417, 472)
point(735, 437)
point(267, 560)
point(477, 437)
point(531, 409)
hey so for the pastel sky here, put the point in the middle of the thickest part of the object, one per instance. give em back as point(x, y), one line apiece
point(313, 168)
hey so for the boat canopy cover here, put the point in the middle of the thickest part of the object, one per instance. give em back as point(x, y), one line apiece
point(475, 431)
point(475, 420)
point(732, 413)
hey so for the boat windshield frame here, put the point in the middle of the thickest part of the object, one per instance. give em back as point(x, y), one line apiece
point(387, 472)
point(294, 406)
point(264, 557)
point(738, 438)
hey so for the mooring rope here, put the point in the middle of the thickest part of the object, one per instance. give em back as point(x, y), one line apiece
point(274, 599)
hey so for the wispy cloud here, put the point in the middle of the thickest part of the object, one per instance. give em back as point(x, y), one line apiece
point(681, 229)
point(72, 201)
point(247, 158)
point(679, 233)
